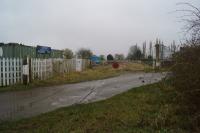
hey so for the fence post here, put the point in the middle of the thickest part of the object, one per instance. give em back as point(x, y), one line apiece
point(30, 70)
point(11, 71)
point(4, 77)
point(25, 71)
point(7, 71)
point(14, 65)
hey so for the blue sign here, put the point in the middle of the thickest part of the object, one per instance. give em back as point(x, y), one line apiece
point(43, 50)
point(95, 59)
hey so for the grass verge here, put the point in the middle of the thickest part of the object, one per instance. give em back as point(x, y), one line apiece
point(146, 109)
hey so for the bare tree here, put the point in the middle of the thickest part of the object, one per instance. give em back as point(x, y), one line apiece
point(173, 47)
point(191, 18)
point(134, 53)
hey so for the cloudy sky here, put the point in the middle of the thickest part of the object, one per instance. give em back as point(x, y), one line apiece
point(104, 26)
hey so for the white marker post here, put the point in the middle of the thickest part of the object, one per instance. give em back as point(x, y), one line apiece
point(25, 71)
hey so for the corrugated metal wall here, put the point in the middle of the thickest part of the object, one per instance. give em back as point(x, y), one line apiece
point(14, 50)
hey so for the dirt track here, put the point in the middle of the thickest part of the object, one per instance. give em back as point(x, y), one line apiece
point(22, 104)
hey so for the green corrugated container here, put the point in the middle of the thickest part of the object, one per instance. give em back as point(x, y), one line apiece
point(15, 50)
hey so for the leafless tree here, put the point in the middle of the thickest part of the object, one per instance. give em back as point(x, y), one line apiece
point(191, 18)
point(134, 53)
point(173, 47)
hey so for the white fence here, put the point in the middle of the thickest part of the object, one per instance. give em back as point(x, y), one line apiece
point(11, 69)
point(69, 65)
point(41, 68)
point(64, 66)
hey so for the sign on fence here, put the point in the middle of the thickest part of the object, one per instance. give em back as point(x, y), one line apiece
point(25, 69)
point(79, 65)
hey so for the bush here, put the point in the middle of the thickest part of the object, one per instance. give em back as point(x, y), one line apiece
point(187, 75)
point(110, 57)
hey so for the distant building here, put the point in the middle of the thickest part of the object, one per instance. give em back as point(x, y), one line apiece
point(15, 50)
point(162, 55)
point(162, 52)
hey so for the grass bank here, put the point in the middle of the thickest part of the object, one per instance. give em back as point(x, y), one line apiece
point(146, 109)
point(96, 73)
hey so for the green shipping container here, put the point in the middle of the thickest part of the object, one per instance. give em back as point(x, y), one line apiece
point(15, 50)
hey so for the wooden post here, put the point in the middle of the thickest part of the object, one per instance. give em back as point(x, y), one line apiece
point(7, 72)
point(4, 77)
point(25, 71)
point(15, 71)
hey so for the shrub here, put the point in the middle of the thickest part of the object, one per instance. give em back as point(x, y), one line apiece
point(187, 74)
point(110, 57)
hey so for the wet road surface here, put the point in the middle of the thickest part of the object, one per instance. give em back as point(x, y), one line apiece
point(23, 104)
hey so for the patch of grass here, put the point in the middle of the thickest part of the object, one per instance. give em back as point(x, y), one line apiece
point(145, 109)
point(100, 72)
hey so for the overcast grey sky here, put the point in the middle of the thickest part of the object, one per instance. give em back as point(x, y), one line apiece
point(104, 26)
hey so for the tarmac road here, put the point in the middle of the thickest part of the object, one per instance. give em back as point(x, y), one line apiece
point(23, 104)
